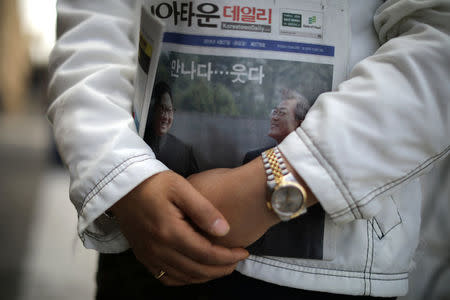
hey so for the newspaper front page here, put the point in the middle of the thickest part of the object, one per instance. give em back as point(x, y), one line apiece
point(221, 81)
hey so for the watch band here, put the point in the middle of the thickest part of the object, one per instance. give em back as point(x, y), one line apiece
point(274, 166)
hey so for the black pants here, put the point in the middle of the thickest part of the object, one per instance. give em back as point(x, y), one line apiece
point(121, 276)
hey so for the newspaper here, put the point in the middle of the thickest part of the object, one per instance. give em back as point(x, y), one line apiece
point(214, 77)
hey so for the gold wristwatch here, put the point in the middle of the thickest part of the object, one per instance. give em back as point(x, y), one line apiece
point(287, 196)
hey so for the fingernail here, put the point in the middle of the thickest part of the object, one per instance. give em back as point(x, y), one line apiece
point(220, 227)
point(245, 254)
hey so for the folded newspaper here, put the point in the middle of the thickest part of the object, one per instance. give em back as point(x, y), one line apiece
point(219, 82)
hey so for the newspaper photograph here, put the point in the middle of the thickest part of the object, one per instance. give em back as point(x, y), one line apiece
point(219, 108)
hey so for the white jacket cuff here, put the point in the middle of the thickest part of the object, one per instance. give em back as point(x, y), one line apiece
point(98, 231)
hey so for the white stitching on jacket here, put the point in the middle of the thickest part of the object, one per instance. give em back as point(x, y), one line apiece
point(390, 184)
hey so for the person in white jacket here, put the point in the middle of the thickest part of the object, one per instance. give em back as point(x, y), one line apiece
point(361, 152)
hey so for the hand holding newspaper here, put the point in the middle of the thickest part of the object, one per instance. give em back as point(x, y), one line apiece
point(220, 82)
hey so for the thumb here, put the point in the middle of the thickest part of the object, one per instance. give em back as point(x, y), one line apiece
point(202, 212)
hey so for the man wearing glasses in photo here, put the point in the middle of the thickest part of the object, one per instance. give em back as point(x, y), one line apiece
point(173, 152)
point(285, 118)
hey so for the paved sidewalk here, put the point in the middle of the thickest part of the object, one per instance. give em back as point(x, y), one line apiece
point(41, 256)
point(57, 266)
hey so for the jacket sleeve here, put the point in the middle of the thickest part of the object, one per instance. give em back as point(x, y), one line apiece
point(388, 123)
point(92, 68)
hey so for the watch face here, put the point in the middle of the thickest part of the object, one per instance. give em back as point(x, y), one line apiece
point(287, 199)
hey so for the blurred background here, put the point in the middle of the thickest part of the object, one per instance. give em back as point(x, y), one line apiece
point(41, 256)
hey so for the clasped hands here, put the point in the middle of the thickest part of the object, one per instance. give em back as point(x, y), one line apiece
point(195, 229)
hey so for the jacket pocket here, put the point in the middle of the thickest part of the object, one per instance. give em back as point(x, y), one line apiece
point(387, 219)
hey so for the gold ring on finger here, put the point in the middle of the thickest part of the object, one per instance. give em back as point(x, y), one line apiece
point(160, 274)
